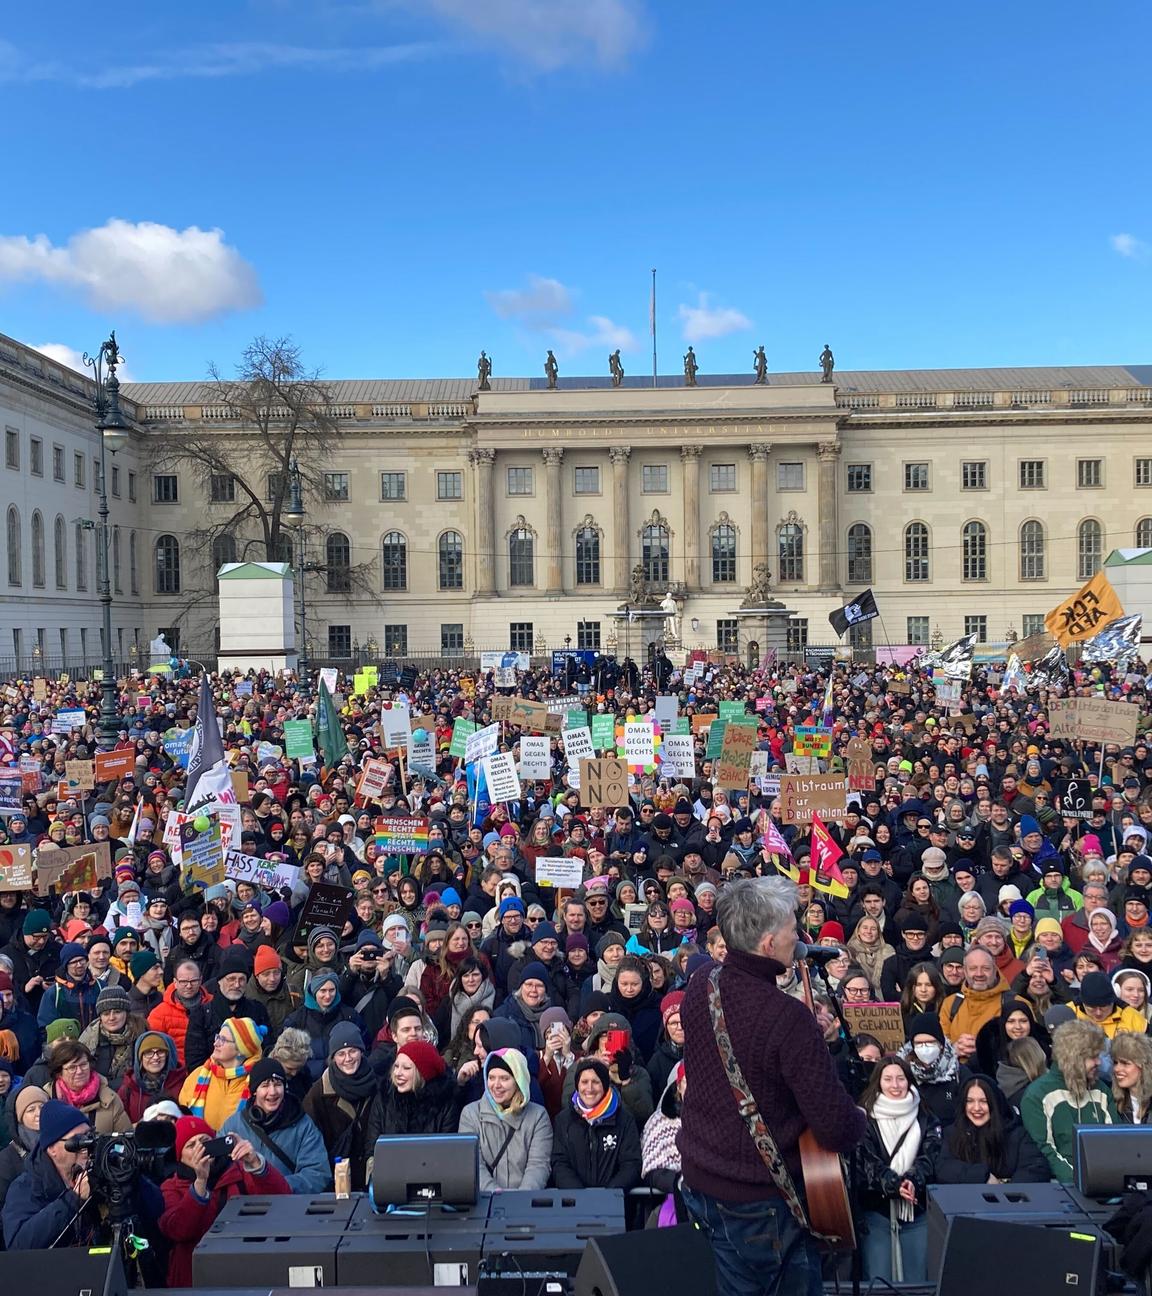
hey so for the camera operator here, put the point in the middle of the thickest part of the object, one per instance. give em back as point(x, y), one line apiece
point(48, 1204)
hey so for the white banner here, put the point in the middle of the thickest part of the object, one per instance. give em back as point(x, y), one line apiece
point(422, 755)
point(396, 725)
point(266, 874)
point(503, 781)
point(678, 756)
point(667, 709)
point(535, 757)
point(560, 871)
point(481, 743)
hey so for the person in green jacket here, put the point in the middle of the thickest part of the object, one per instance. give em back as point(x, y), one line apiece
point(1068, 1095)
point(1055, 898)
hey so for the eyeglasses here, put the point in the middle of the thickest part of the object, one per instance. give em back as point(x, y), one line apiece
point(596, 900)
point(82, 1065)
point(473, 924)
point(154, 1053)
point(186, 981)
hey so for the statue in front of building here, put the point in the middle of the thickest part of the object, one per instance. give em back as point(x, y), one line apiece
point(671, 610)
point(759, 594)
point(551, 370)
point(615, 368)
point(484, 371)
point(760, 360)
point(690, 368)
point(638, 591)
point(827, 363)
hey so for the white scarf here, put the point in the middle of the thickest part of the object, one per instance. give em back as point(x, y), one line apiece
point(893, 1116)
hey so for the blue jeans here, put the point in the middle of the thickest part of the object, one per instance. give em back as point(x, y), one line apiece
point(876, 1246)
point(760, 1249)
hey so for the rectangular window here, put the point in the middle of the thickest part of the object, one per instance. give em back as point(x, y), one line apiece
point(520, 636)
point(860, 637)
point(789, 476)
point(275, 486)
point(132, 487)
point(915, 476)
point(395, 641)
point(520, 481)
point(1144, 472)
point(84, 644)
point(78, 470)
point(97, 475)
point(115, 481)
point(11, 448)
point(452, 639)
point(917, 630)
point(797, 634)
point(974, 474)
point(393, 486)
point(654, 479)
point(449, 485)
point(588, 635)
point(336, 487)
point(859, 479)
point(18, 646)
point(722, 478)
point(36, 457)
point(586, 481)
point(57, 463)
point(727, 634)
point(1031, 474)
point(165, 489)
point(339, 641)
point(1032, 623)
point(1089, 473)
point(222, 488)
point(977, 625)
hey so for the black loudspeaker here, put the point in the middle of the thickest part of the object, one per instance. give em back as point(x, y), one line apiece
point(1113, 1159)
point(70, 1271)
point(626, 1264)
point(1018, 1259)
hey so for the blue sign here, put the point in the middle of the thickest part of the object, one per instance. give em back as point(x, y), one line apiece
point(178, 745)
point(509, 660)
point(585, 655)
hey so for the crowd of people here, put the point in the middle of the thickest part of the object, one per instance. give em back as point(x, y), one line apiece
point(464, 994)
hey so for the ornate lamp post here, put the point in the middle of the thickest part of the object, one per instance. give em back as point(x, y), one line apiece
point(293, 518)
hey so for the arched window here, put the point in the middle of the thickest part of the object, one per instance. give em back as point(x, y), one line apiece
point(450, 555)
point(1144, 533)
point(1032, 550)
point(223, 551)
point(859, 554)
point(60, 551)
point(167, 565)
point(1089, 548)
point(975, 544)
point(134, 583)
point(521, 564)
point(116, 559)
point(790, 552)
point(587, 556)
point(723, 553)
point(81, 558)
point(916, 552)
point(654, 548)
point(15, 576)
point(38, 549)
point(338, 559)
point(394, 561)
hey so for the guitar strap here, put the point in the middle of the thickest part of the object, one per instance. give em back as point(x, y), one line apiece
point(765, 1143)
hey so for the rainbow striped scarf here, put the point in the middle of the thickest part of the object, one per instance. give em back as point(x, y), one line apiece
point(214, 1071)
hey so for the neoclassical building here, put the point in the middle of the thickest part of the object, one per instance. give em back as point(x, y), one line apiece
point(969, 500)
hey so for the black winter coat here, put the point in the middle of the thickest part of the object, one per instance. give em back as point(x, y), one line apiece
point(434, 1110)
point(605, 1155)
point(881, 1184)
point(1021, 1161)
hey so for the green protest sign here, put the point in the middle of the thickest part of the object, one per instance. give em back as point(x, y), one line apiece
point(298, 739)
point(731, 710)
point(715, 739)
point(460, 731)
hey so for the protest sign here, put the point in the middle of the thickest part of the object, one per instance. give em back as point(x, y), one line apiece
point(504, 677)
point(39, 689)
point(481, 743)
point(461, 728)
point(509, 660)
point(267, 752)
point(64, 722)
point(639, 746)
point(883, 1021)
point(578, 745)
point(535, 757)
point(243, 688)
point(565, 871)
point(422, 750)
point(634, 915)
point(327, 905)
point(803, 795)
point(81, 774)
point(812, 741)
point(329, 675)
point(702, 722)
point(401, 834)
point(667, 709)
point(201, 852)
point(501, 777)
point(376, 777)
point(395, 725)
point(861, 772)
point(1086, 613)
point(604, 782)
point(11, 792)
point(715, 743)
point(558, 706)
point(16, 868)
point(266, 874)
point(240, 786)
point(603, 731)
point(30, 773)
point(575, 720)
point(730, 709)
point(1092, 719)
point(298, 744)
point(678, 756)
point(735, 756)
point(115, 765)
point(522, 712)
point(72, 868)
point(900, 688)
point(1074, 797)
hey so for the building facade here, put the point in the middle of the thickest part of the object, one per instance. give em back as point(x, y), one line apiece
point(969, 500)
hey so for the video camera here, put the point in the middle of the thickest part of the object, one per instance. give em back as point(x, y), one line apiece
point(114, 1160)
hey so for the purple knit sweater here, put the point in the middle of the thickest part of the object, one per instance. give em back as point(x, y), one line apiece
point(787, 1066)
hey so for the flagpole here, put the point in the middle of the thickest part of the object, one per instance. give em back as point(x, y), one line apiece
point(652, 321)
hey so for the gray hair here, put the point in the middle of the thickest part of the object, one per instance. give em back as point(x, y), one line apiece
point(972, 898)
point(748, 910)
point(979, 949)
point(294, 1045)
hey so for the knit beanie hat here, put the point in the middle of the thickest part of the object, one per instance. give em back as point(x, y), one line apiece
point(594, 1064)
point(1051, 925)
point(1009, 891)
point(925, 1024)
point(268, 1068)
point(74, 928)
point(235, 958)
point(5, 981)
point(424, 1058)
point(607, 941)
point(128, 887)
point(72, 950)
point(682, 905)
point(990, 923)
point(1028, 826)
point(165, 1109)
point(1096, 991)
point(25, 1096)
point(156, 1040)
point(1021, 907)
point(278, 914)
point(125, 933)
point(470, 916)
point(344, 1034)
point(265, 959)
point(248, 1036)
point(671, 1005)
point(556, 1017)
point(831, 933)
point(910, 920)
point(1090, 845)
point(544, 931)
point(62, 1028)
point(56, 1120)
point(187, 1127)
point(508, 904)
point(514, 1062)
point(401, 1007)
point(35, 920)
point(535, 971)
point(142, 962)
point(113, 998)
point(576, 940)
point(99, 937)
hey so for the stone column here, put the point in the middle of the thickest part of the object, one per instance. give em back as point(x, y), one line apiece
point(482, 461)
point(758, 452)
point(622, 539)
point(553, 457)
point(828, 452)
point(690, 455)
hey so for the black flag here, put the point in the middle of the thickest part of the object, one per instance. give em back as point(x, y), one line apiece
point(859, 610)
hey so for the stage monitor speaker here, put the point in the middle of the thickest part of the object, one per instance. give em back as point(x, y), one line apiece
point(69, 1271)
point(1113, 1159)
point(987, 1254)
point(626, 1264)
point(423, 1169)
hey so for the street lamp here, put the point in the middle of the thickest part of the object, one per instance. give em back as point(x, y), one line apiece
point(293, 518)
point(113, 436)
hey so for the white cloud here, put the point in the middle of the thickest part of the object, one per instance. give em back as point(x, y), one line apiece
point(601, 332)
point(1128, 245)
point(549, 34)
point(73, 359)
point(543, 300)
point(704, 321)
point(168, 276)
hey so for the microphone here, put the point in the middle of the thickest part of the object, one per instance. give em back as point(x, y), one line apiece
point(818, 953)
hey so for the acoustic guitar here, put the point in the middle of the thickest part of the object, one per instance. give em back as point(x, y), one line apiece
point(825, 1183)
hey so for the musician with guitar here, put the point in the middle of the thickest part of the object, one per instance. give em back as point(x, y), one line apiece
point(760, 1081)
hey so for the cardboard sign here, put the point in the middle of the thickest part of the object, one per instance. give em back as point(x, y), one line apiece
point(1074, 797)
point(522, 712)
point(481, 743)
point(81, 773)
point(678, 756)
point(377, 776)
point(327, 905)
point(40, 689)
point(535, 757)
point(861, 773)
point(578, 745)
point(802, 795)
point(266, 874)
point(900, 688)
point(603, 731)
point(240, 786)
point(882, 1020)
point(15, 868)
point(1093, 720)
point(201, 852)
point(115, 765)
point(639, 743)
point(461, 729)
point(72, 868)
point(604, 782)
point(564, 871)
point(702, 722)
point(29, 773)
point(501, 777)
point(298, 744)
point(401, 834)
point(736, 756)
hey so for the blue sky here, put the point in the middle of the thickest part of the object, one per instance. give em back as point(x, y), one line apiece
point(398, 183)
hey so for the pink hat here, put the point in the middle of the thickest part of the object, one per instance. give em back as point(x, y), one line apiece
point(1090, 845)
point(508, 831)
point(682, 905)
